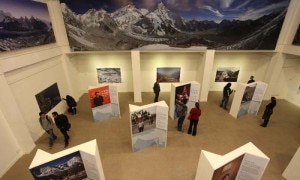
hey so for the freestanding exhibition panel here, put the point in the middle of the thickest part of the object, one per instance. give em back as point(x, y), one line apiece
point(79, 162)
point(187, 93)
point(245, 162)
point(247, 98)
point(149, 125)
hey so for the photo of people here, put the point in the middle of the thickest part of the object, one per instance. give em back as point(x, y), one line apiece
point(48, 98)
point(67, 167)
point(182, 94)
point(143, 120)
point(227, 74)
point(229, 171)
point(99, 96)
point(109, 75)
point(168, 74)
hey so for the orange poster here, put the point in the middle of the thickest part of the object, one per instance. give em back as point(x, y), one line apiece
point(99, 96)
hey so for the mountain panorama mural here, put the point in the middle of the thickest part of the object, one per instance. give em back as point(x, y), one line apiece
point(23, 24)
point(152, 24)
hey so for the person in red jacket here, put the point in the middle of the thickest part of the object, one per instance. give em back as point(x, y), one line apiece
point(194, 119)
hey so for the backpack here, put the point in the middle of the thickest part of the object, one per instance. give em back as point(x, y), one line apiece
point(40, 119)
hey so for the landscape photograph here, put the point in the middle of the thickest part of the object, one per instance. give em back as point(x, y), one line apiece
point(216, 24)
point(24, 24)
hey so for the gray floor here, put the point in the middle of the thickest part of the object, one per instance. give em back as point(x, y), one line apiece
point(218, 132)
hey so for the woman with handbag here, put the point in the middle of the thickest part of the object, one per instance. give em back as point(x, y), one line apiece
point(194, 119)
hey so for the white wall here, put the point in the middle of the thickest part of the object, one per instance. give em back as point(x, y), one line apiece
point(87, 64)
point(290, 79)
point(26, 82)
point(10, 150)
point(188, 62)
point(249, 63)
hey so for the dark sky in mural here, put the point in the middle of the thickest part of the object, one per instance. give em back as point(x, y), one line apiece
point(215, 10)
point(22, 8)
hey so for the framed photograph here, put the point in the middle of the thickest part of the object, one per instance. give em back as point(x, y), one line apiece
point(143, 120)
point(168, 74)
point(109, 75)
point(48, 98)
point(24, 24)
point(227, 74)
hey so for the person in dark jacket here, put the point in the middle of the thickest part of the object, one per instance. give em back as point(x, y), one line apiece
point(156, 90)
point(268, 112)
point(194, 115)
point(71, 104)
point(226, 93)
point(62, 123)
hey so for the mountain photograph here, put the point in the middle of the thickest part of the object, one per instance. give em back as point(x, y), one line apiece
point(24, 24)
point(215, 24)
point(67, 167)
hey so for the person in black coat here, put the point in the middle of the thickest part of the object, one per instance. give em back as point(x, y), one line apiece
point(226, 93)
point(62, 123)
point(71, 104)
point(156, 90)
point(268, 112)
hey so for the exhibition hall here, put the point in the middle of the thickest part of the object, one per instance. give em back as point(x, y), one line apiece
point(166, 90)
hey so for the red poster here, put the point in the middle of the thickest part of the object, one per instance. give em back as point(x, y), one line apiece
point(99, 96)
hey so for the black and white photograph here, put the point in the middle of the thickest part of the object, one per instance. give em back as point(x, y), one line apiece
point(67, 167)
point(214, 24)
point(168, 74)
point(143, 120)
point(109, 75)
point(227, 74)
point(48, 98)
point(24, 24)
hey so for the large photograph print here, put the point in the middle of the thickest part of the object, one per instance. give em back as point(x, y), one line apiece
point(48, 98)
point(67, 167)
point(24, 24)
point(168, 74)
point(227, 74)
point(109, 75)
point(164, 24)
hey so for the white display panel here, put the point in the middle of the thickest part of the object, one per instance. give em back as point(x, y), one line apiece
point(245, 162)
point(108, 106)
point(292, 170)
point(183, 92)
point(247, 98)
point(148, 125)
point(81, 162)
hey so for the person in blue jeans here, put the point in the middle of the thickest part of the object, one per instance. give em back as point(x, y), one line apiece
point(181, 114)
point(47, 124)
point(226, 93)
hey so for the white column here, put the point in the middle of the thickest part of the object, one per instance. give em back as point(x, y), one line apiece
point(13, 115)
point(205, 69)
point(272, 76)
point(136, 74)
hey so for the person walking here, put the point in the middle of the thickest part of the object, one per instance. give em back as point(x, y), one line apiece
point(268, 112)
point(62, 123)
point(226, 93)
point(47, 124)
point(194, 115)
point(156, 89)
